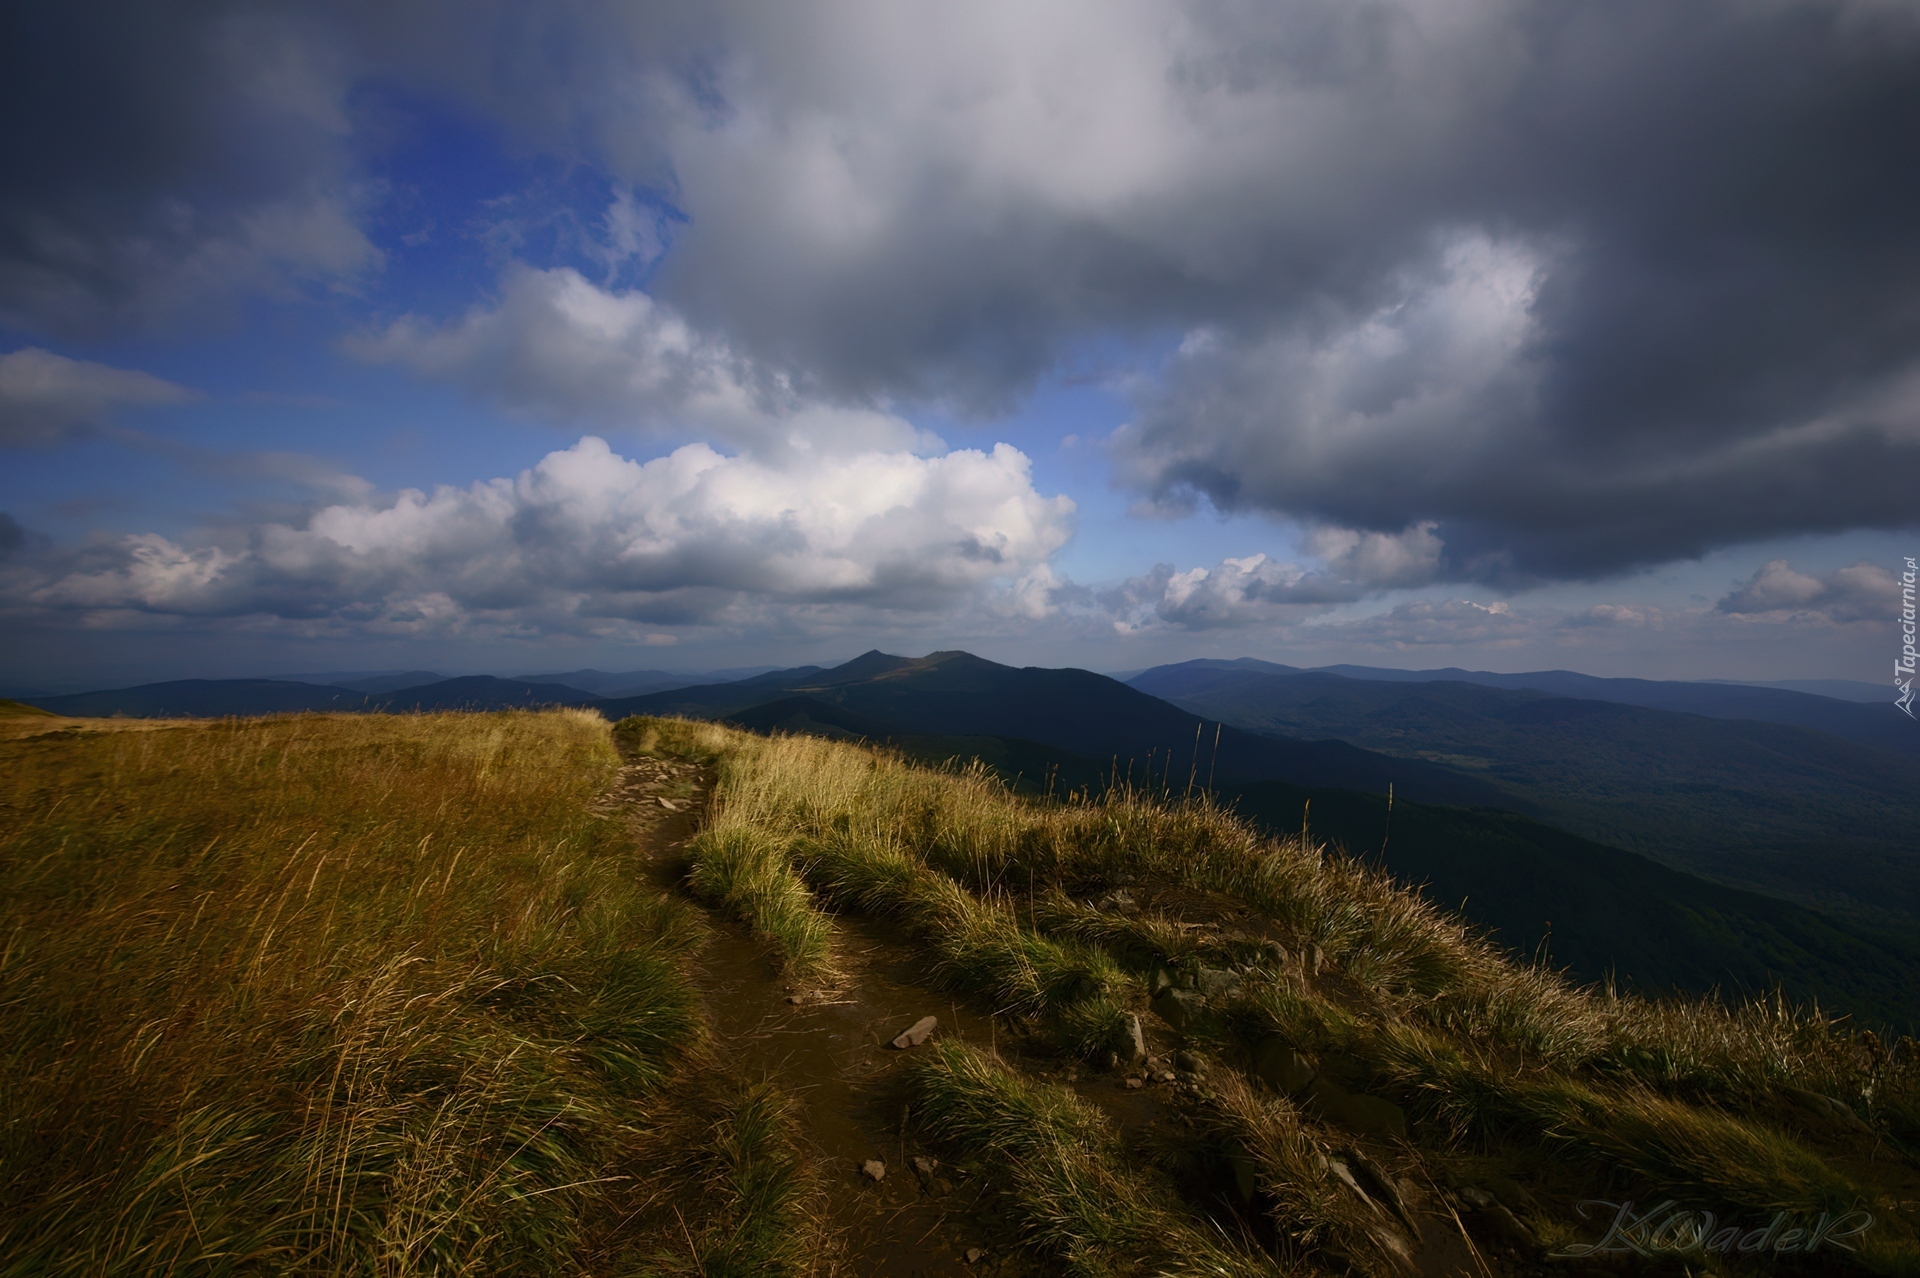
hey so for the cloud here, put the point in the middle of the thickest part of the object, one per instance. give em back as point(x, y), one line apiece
point(12, 535)
point(1617, 617)
point(1562, 280)
point(162, 164)
point(1862, 592)
point(1378, 561)
point(45, 398)
point(1447, 623)
point(591, 542)
point(1523, 272)
point(558, 347)
point(1435, 405)
point(1256, 590)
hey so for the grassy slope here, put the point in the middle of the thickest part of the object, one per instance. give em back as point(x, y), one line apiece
point(1688, 1099)
point(367, 994)
point(1782, 809)
point(1602, 912)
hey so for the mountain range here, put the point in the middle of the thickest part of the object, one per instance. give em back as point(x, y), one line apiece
point(1776, 807)
point(1085, 714)
point(381, 690)
point(1857, 711)
point(212, 698)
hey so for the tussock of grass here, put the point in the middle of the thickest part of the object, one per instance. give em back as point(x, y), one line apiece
point(977, 945)
point(747, 872)
point(1075, 1199)
point(1465, 1092)
point(334, 994)
point(794, 816)
point(1142, 939)
point(742, 1200)
point(1275, 1161)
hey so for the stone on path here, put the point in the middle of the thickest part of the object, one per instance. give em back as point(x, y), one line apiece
point(873, 1169)
point(975, 1255)
point(1178, 1008)
point(1214, 983)
point(1133, 1043)
point(916, 1033)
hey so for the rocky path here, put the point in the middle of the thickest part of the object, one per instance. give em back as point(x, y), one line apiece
point(894, 1209)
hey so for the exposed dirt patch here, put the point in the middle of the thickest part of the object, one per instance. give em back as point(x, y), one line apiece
point(831, 1050)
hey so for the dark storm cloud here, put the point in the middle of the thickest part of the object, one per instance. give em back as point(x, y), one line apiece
point(12, 535)
point(1583, 285)
point(1668, 303)
point(159, 158)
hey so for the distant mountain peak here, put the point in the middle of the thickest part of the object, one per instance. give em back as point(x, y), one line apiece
point(867, 665)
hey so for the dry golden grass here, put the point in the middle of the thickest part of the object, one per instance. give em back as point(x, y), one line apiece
point(385, 995)
point(335, 994)
point(19, 720)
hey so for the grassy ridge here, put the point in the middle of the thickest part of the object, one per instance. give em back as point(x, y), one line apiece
point(1603, 914)
point(330, 994)
point(1384, 996)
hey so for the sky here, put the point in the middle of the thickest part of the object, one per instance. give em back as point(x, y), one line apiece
point(494, 337)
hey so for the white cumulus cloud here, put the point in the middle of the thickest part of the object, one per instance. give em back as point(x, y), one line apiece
point(590, 541)
point(1258, 590)
point(1862, 592)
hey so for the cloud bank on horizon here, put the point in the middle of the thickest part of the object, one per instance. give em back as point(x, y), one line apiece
point(1465, 317)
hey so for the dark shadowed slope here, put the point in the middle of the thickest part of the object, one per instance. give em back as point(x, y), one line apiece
point(207, 698)
point(204, 698)
point(1769, 806)
point(616, 683)
point(1876, 724)
point(1839, 689)
point(815, 717)
point(1600, 911)
point(375, 685)
point(958, 694)
point(1869, 721)
point(367, 680)
point(480, 692)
